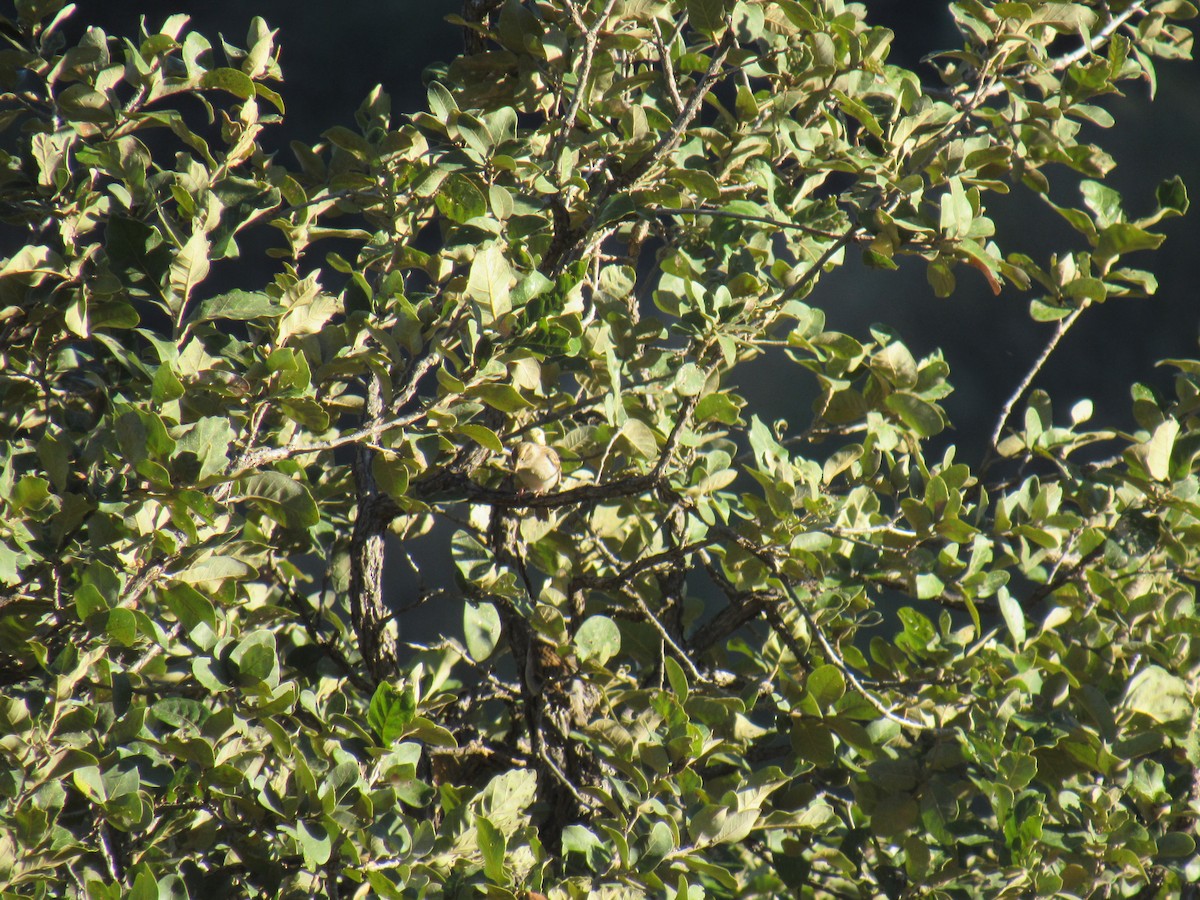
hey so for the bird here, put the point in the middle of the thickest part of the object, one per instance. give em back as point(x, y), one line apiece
point(537, 466)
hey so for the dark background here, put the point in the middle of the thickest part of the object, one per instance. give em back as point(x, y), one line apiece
point(333, 54)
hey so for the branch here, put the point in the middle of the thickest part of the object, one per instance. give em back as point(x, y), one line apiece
point(680, 653)
point(654, 561)
point(685, 413)
point(585, 68)
point(797, 287)
point(1064, 325)
point(746, 217)
point(741, 610)
point(664, 56)
point(557, 259)
point(1069, 59)
point(669, 141)
point(369, 613)
point(328, 647)
point(1100, 36)
point(256, 459)
point(831, 652)
point(835, 656)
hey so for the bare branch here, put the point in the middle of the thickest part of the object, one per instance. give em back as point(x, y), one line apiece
point(680, 653)
point(746, 217)
point(664, 56)
point(1064, 325)
point(370, 432)
point(1098, 39)
point(835, 656)
point(590, 36)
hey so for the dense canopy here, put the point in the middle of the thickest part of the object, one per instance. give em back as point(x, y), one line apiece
point(252, 401)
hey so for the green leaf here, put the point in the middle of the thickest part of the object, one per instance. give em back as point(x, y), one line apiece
point(190, 607)
point(1175, 845)
point(921, 416)
point(315, 843)
point(208, 440)
point(718, 406)
point(1121, 238)
point(1157, 693)
point(1172, 196)
point(1014, 616)
point(121, 627)
point(231, 80)
point(493, 846)
point(826, 685)
point(481, 629)
point(690, 379)
point(707, 16)
point(489, 284)
point(941, 278)
point(640, 439)
point(256, 659)
point(241, 306)
point(79, 103)
point(1103, 201)
point(308, 312)
point(1155, 454)
point(1068, 17)
point(598, 639)
point(507, 798)
point(483, 436)
point(189, 267)
point(141, 432)
point(460, 200)
point(576, 839)
point(284, 499)
point(350, 141)
point(503, 397)
point(89, 600)
point(895, 363)
point(390, 712)
point(145, 887)
point(441, 102)
point(719, 825)
point(677, 678)
point(214, 568)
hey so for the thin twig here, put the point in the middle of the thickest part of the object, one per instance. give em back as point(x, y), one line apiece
point(584, 802)
point(680, 653)
point(1088, 47)
point(797, 287)
point(1064, 325)
point(579, 239)
point(1100, 36)
point(370, 432)
point(654, 561)
point(664, 55)
point(685, 413)
point(746, 217)
point(585, 69)
point(312, 626)
point(106, 850)
point(835, 656)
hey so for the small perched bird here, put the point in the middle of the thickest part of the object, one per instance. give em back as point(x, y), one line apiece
point(537, 466)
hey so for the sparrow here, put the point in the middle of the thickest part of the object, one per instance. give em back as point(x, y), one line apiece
point(537, 466)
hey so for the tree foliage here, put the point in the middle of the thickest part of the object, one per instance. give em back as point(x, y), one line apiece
point(722, 656)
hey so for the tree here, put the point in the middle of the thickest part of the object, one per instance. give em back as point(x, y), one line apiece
point(233, 384)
